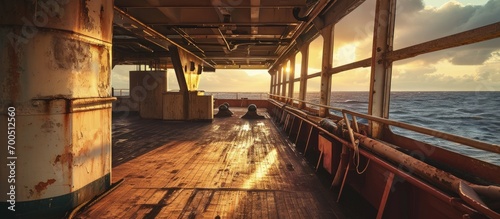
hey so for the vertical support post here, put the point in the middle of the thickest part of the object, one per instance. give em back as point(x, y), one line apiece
point(326, 77)
point(271, 84)
point(283, 82)
point(381, 70)
point(187, 67)
point(278, 82)
point(291, 75)
point(303, 75)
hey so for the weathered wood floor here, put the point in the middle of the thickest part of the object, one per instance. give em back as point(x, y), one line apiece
point(230, 168)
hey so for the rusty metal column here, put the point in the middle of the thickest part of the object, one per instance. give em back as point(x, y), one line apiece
point(55, 75)
point(381, 70)
point(326, 77)
point(303, 75)
point(291, 77)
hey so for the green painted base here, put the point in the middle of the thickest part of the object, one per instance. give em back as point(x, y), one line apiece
point(56, 207)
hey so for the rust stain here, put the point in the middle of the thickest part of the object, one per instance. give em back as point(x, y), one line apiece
point(47, 126)
point(40, 187)
point(85, 150)
point(64, 158)
point(43, 185)
point(71, 54)
point(104, 71)
point(88, 23)
point(105, 19)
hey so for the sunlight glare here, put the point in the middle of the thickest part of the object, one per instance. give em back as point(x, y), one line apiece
point(261, 170)
point(245, 127)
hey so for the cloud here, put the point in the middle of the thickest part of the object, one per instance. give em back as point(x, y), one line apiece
point(417, 26)
point(490, 74)
point(471, 56)
point(432, 77)
point(409, 6)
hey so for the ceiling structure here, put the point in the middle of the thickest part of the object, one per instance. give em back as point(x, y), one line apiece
point(247, 34)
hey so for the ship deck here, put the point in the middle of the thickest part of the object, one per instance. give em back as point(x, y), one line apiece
point(229, 168)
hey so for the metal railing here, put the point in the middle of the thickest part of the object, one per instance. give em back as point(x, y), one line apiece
point(239, 95)
point(431, 132)
point(120, 92)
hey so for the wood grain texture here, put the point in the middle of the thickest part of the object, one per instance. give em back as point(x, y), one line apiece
point(231, 168)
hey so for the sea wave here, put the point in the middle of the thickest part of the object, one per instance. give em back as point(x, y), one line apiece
point(351, 101)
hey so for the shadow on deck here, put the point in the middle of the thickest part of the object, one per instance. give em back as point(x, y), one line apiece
point(229, 168)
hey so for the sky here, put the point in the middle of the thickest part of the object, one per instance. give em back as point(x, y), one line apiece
point(473, 67)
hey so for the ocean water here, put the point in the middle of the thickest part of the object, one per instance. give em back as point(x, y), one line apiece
point(473, 115)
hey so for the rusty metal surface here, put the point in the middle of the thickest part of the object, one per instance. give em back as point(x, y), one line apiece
point(89, 18)
point(55, 63)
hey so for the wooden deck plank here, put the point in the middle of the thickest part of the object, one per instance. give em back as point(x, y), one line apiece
point(176, 205)
point(232, 168)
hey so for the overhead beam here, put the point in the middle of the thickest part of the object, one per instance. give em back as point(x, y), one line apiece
point(232, 36)
point(209, 4)
point(244, 58)
point(254, 16)
point(211, 24)
point(142, 30)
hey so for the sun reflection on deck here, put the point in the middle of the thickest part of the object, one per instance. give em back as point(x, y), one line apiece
point(261, 170)
point(231, 168)
point(245, 127)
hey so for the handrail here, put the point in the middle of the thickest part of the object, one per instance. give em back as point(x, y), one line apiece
point(431, 132)
point(238, 95)
point(118, 92)
point(303, 101)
